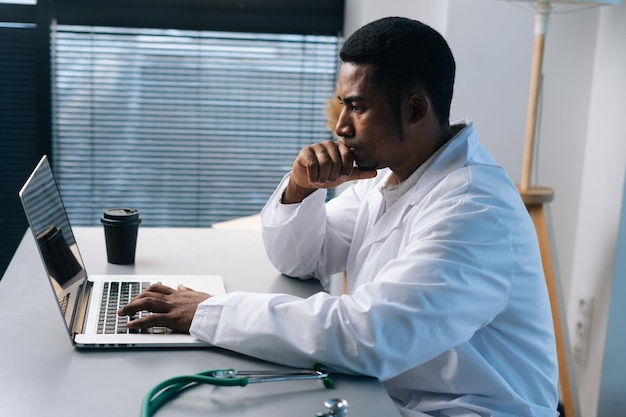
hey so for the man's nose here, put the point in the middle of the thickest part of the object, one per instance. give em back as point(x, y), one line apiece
point(344, 127)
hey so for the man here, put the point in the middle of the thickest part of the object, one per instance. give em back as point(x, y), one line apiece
point(446, 300)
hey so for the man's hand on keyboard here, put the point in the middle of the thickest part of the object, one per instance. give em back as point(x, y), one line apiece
point(172, 308)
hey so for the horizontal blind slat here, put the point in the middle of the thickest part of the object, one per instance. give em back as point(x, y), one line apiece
point(189, 127)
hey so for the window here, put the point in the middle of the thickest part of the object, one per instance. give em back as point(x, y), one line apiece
point(23, 73)
point(189, 127)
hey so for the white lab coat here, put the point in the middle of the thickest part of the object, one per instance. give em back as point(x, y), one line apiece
point(446, 302)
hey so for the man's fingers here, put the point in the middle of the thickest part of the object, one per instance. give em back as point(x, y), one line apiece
point(347, 160)
point(323, 167)
point(322, 163)
point(160, 288)
point(181, 287)
point(306, 165)
point(144, 322)
point(144, 303)
point(155, 291)
point(332, 164)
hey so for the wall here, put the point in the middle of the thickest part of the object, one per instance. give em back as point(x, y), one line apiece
point(581, 149)
point(612, 402)
point(601, 189)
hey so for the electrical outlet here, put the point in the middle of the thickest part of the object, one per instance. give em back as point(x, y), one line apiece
point(582, 329)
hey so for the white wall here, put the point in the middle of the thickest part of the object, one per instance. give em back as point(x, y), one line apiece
point(602, 183)
point(581, 149)
point(612, 402)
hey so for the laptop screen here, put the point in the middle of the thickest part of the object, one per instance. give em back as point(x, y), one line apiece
point(53, 234)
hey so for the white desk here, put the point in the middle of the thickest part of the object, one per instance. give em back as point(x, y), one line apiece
point(41, 374)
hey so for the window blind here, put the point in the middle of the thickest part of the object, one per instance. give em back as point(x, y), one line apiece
point(189, 127)
point(19, 127)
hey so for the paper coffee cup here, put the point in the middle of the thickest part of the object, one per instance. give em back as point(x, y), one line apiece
point(120, 231)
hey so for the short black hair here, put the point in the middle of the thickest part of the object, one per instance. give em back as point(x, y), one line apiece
point(405, 54)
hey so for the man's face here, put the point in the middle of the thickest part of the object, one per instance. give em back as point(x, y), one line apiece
point(366, 123)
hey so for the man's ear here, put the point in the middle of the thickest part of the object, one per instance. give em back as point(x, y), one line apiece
point(419, 107)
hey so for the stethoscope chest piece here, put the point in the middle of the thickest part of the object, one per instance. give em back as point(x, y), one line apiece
point(337, 407)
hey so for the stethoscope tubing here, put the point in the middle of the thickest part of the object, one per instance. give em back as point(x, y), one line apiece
point(172, 387)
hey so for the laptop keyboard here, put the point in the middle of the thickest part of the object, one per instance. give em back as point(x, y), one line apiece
point(118, 294)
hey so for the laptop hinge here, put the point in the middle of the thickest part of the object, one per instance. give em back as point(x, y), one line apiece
point(79, 318)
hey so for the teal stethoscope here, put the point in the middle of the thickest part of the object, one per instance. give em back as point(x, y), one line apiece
point(171, 388)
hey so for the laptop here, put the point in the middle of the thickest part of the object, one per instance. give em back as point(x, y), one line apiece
point(88, 304)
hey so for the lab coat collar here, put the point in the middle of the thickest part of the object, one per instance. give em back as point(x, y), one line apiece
point(455, 154)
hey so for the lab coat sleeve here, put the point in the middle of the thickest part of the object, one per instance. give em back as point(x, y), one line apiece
point(453, 280)
point(301, 241)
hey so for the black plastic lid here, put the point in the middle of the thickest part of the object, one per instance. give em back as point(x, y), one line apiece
point(121, 215)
